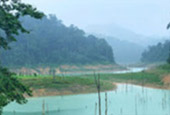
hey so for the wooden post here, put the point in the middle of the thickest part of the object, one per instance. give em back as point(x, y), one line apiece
point(95, 109)
point(14, 112)
point(136, 110)
point(97, 82)
point(142, 84)
point(47, 109)
point(53, 72)
point(106, 104)
point(43, 108)
point(121, 111)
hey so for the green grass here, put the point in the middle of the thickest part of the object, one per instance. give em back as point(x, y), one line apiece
point(137, 78)
point(141, 77)
point(73, 84)
point(85, 83)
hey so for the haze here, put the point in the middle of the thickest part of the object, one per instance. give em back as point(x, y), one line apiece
point(145, 17)
point(129, 26)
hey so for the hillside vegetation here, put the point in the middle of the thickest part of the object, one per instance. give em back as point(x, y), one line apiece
point(156, 53)
point(51, 43)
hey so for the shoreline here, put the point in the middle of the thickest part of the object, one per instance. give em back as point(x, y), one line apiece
point(67, 93)
point(75, 85)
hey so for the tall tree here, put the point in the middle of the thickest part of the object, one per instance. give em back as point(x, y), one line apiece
point(168, 60)
point(10, 26)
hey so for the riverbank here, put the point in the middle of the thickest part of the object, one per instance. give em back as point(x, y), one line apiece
point(67, 69)
point(158, 77)
point(49, 86)
point(155, 77)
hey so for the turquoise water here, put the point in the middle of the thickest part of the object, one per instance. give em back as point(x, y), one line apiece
point(126, 100)
point(129, 70)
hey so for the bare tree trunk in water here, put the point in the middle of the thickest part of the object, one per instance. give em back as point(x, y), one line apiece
point(95, 109)
point(97, 82)
point(47, 110)
point(14, 112)
point(106, 104)
point(43, 108)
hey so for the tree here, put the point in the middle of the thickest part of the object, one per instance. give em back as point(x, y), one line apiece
point(168, 60)
point(168, 26)
point(68, 45)
point(11, 89)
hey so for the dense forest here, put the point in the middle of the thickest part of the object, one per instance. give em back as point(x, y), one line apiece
point(50, 42)
point(157, 53)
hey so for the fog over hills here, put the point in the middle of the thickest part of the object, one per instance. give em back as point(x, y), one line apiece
point(127, 45)
point(121, 33)
point(137, 23)
point(125, 52)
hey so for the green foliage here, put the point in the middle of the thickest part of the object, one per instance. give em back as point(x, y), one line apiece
point(157, 53)
point(10, 12)
point(137, 78)
point(165, 67)
point(51, 43)
point(10, 26)
point(168, 60)
point(168, 26)
point(153, 78)
point(11, 89)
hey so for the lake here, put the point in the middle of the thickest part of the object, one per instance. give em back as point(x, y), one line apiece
point(126, 100)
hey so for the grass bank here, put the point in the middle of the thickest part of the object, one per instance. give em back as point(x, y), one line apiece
point(48, 86)
point(158, 77)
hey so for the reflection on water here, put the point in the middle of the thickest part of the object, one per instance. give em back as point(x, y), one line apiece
point(130, 70)
point(126, 100)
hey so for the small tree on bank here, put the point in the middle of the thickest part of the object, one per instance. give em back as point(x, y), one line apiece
point(168, 60)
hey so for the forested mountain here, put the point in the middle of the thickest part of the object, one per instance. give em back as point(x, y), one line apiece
point(128, 46)
point(156, 53)
point(121, 33)
point(125, 52)
point(50, 42)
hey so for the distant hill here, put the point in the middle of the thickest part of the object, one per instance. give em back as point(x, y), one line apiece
point(156, 53)
point(52, 43)
point(123, 34)
point(125, 52)
point(128, 46)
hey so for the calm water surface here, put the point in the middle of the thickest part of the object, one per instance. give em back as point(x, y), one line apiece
point(126, 100)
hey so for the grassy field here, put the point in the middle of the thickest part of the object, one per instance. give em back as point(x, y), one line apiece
point(153, 77)
point(47, 85)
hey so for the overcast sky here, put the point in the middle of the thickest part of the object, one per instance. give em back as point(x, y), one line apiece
point(146, 17)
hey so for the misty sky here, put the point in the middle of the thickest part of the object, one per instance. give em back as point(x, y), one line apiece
point(146, 17)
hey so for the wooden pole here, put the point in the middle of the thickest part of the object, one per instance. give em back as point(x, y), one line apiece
point(47, 109)
point(43, 108)
point(97, 82)
point(106, 104)
point(95, 108)
point(14, 112)
point(136, 110)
